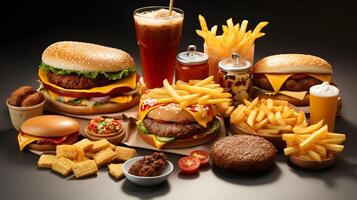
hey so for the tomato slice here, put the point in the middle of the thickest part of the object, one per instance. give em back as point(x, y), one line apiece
point(189, 164)
point(203, 156)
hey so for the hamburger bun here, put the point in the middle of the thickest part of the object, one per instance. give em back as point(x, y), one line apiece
point(86, 110)
point(81, 56)
point(50, 126)
point(171, 113)
point(291, 100)
point(182, 142)
point(292, 63)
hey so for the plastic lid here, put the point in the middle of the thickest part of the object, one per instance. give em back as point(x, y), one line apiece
point(191, 56)
point(234, 64)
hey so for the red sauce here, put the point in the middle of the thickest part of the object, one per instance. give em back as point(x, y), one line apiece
point(191, 72)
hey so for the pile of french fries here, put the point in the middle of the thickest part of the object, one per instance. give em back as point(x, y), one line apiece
point(203, 92)
point(313, 143)
point(235, 37)
point(267, 117)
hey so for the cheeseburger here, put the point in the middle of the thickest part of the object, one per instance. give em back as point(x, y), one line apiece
point(289, 77)
point(82, 78)
point(170, 126)
point(44, 133)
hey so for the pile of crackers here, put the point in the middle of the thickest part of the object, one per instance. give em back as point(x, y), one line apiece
point(85, 157)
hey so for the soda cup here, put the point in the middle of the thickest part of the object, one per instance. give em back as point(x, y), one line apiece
point(323, 104)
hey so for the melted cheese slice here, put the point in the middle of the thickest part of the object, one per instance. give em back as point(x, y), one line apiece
point(158, 144)
point(277, 80)
point(129, 81)
point(296, 95)
point(322, 77)
point(25, 140)
point(121, 99)
point(118, 99)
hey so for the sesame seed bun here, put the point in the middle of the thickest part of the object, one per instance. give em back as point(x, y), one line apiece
point(88, 57)
point(50, 126)
point(292, 63)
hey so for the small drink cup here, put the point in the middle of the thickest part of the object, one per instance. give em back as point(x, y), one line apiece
point(323, 104)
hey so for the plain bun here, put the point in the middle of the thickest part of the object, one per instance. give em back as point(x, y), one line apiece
point(53, 105)
point(82, 56)
point(181, 143)
point(50, 126)
point(292, 63)
point(49, 147)
point(172, 113)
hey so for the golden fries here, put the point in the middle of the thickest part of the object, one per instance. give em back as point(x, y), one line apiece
point(203, 92)
point(267, 117)
point(235, 37)
point(313, 143)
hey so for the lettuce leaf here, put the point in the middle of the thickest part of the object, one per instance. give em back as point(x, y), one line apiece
point(109, 75)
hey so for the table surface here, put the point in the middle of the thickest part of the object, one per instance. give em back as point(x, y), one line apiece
point(308, 27)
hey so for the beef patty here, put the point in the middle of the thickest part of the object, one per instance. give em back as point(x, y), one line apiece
point(297, 83)
point(246, 154)
point(172, 129)
point(73, 81)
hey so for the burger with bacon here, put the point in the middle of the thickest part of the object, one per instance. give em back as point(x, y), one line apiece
point(44, 133)
point(83, 78)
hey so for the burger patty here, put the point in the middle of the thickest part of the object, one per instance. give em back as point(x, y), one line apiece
point(244, 154)
point(73, 81)
point(171, 129)
point(292, 84)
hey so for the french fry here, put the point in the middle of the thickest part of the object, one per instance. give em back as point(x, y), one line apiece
point(171, 91)
point(268, 131)
point(280, 119)
point(313, 137)
point(334, 147)
point(251, 118)
point(309, 129)
point(315, 156)
point(261, 124)
point(260, 116)
point(291, 150)
point(272, 119)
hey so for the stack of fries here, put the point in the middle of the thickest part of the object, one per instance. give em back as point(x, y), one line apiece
point(235, 37)
point(267, 117)
point(313, 143)
point(76, 158)
point(203, 92)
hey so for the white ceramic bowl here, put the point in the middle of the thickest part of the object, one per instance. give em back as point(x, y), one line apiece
point(146, 181)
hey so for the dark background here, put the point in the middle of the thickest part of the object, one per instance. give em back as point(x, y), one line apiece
point(323, 28)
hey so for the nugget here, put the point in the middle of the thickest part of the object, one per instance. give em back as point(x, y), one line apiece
point(63, 166)
point(245, 154)
point(116, 170)
point(33, 99)
point(85, 168)
point(46, 161)
point(17, 96)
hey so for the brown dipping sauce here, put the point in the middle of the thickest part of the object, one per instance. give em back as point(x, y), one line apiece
point(149, 166)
